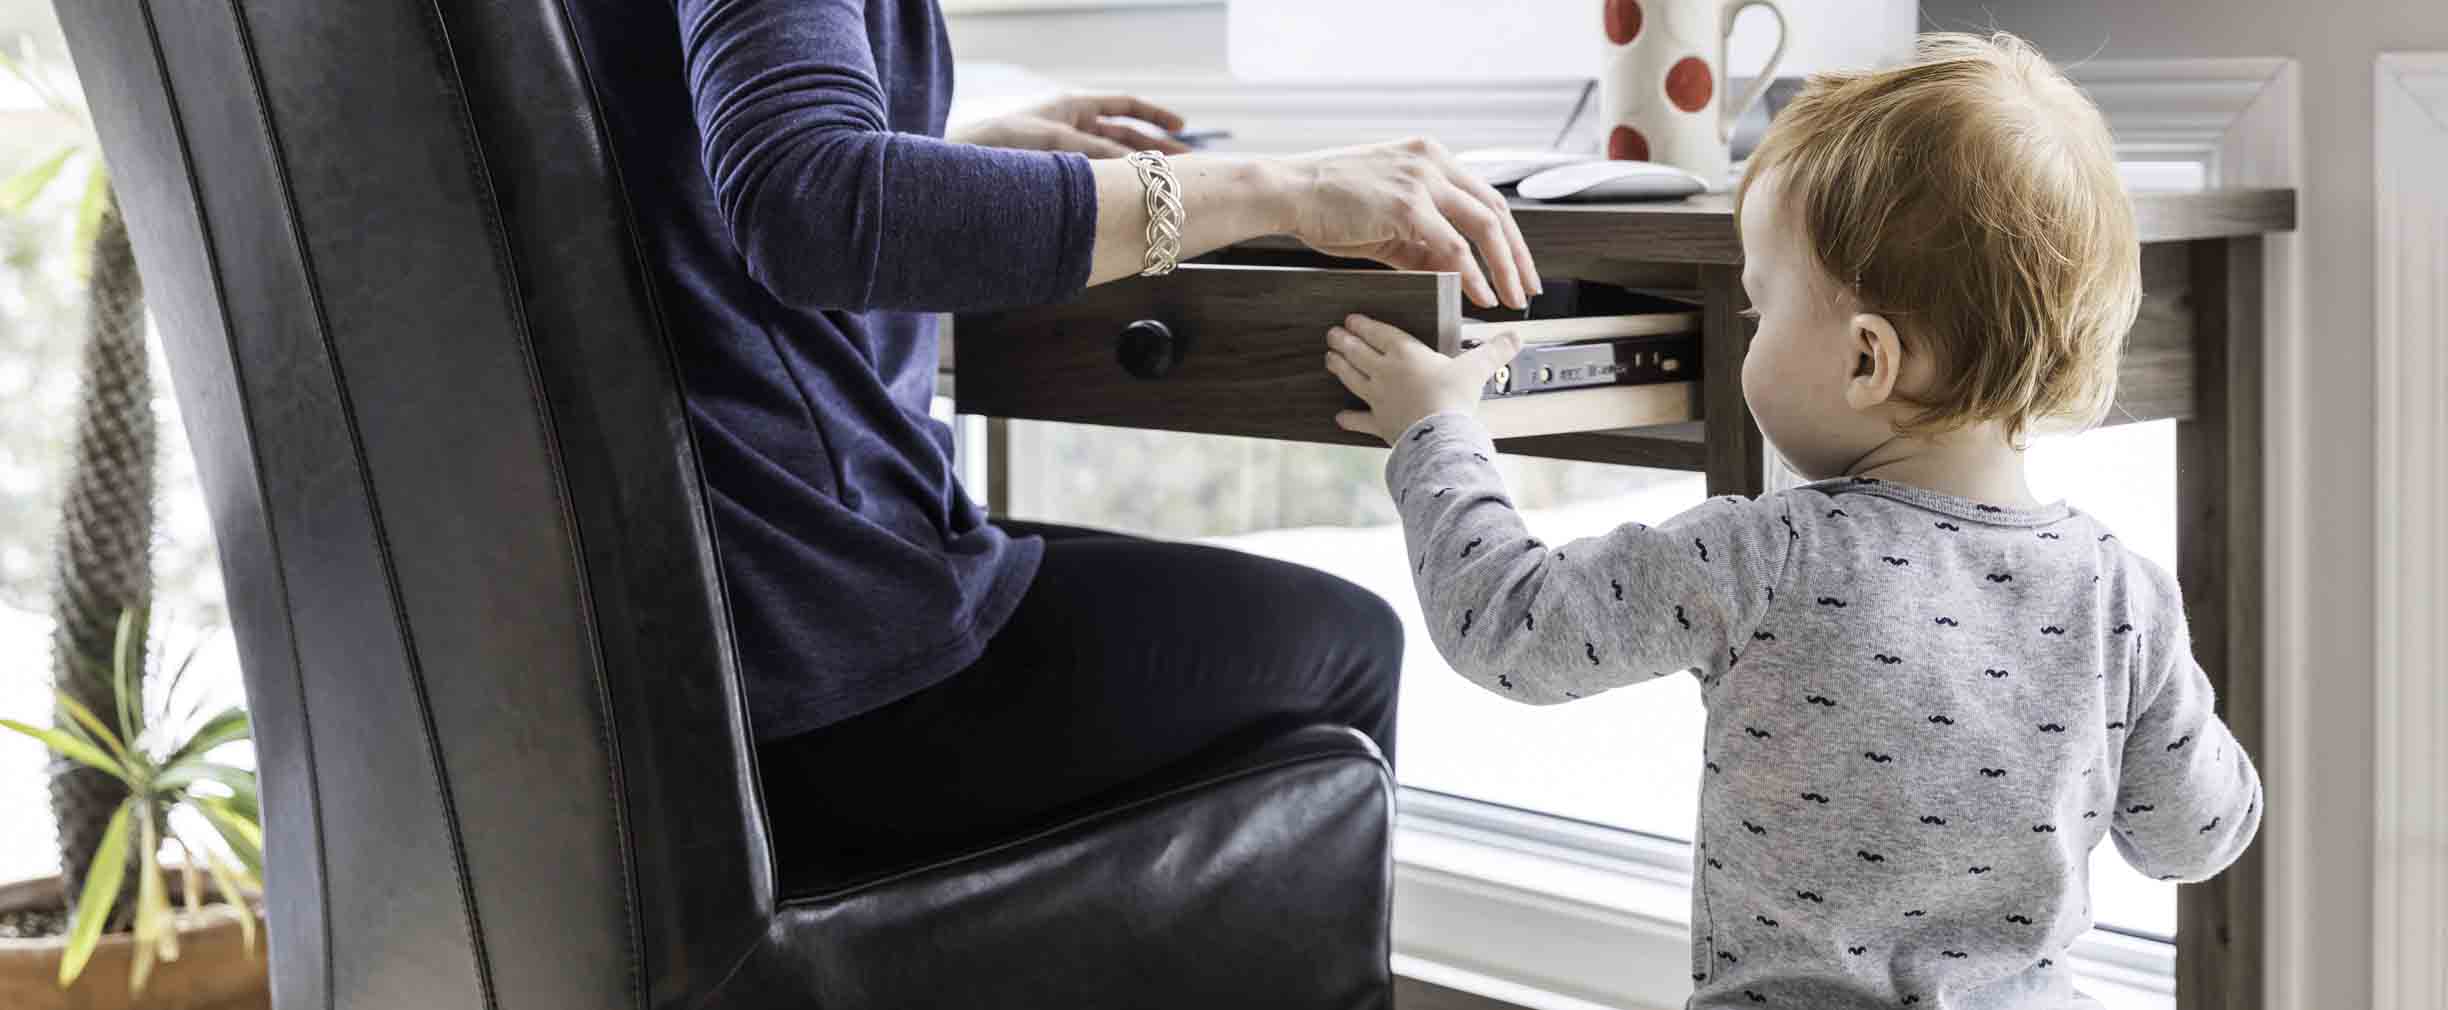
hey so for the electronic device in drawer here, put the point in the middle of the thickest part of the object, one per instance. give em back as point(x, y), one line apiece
point(1579, 353)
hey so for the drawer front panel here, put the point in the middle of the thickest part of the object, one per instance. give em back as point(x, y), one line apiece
point(1247, 349)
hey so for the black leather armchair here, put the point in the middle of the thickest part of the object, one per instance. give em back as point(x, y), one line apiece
point(504, 758)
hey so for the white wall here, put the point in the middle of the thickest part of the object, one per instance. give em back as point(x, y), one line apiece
point(2321, 869)
point(1516, 39)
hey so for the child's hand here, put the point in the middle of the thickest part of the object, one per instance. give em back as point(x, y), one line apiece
point(1403, 380)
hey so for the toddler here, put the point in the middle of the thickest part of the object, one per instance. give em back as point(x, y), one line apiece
point(1929, 694)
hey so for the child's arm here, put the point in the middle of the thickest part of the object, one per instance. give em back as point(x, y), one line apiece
point(1532, 623)
point(1544, 625)
point(2188, 799)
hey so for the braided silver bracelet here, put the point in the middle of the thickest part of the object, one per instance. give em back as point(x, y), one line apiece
point(1164, 211)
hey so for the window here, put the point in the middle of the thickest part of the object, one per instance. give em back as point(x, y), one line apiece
point(1628, 759)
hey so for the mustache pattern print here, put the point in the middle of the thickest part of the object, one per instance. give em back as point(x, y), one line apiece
point(1592, 649)
point(1868, 856)
point(1878, 757)
point(1837, 514)
point(2000, 577)
point(1941, 720)
point(1953, 955)
point(1728, 958)
point(1466, 621)
point(2205, 829)
point(1809, 896)
point(2044, 829)
point(1472, 546)
point(1948, 622)
point(1915, 914)
point(1857, 951)
point(1950, 527)
point(1995, 674)
point(1933, 819)
point(1987, 508)
point(2120, 629)
point(1765, 921)
point(1993, 773)
point(2140, 808)
point(1821, 700)
point(2119, 724)
point(2050, 536)
point(1504, 682)
point(1757, 733)
point(1886, 659)
point(1830, 601)
point(1442, 492)
point(1976, 870)
point(1422, 433)
point(1682, 620)
point(2052, 727)
point(1763, 636)
point(2180, 742)
point(1754, 828)
point(2052, 630)
point(1618, 584)
point(1895, 561)
point(1815, 798)
point(2020, 919)
point(1754, 997)
point(1703, 548)
point(1529, 622)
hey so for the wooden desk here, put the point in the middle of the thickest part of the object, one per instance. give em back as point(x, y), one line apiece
point(1253, 321)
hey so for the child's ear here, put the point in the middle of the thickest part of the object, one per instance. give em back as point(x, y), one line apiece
point(1878, 361)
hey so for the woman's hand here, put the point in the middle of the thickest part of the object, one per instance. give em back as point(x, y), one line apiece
point(1410, 206)
point(1403, 380)
point(1082, 123)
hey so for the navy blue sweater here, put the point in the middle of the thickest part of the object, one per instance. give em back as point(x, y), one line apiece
point(784, 162)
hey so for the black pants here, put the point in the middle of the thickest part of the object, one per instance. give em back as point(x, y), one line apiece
point(1126, 657)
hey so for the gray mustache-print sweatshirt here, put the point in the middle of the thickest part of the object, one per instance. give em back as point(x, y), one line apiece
point(1923, 714)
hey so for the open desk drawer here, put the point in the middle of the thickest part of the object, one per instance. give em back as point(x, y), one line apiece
point(1240, 350)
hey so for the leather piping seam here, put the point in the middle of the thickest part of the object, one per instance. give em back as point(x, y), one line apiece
point(688, 433)
point(438, 37)
point(263, 495)
point(1168, 794)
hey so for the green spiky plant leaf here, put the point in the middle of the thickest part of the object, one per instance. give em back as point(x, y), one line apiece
point(166, 769)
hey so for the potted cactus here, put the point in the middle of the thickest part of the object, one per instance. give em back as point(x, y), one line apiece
point(131, 780)
point(145, 951)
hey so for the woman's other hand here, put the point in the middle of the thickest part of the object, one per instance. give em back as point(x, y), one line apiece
point(1409, 205)
point(1403, 380)
point(1089, 124)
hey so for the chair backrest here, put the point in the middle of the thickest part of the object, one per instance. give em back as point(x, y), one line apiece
point(504, 757)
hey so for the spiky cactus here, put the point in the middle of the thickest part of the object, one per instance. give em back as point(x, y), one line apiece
point(105, 552)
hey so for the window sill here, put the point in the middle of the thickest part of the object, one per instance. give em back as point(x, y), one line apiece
point(1542, 912)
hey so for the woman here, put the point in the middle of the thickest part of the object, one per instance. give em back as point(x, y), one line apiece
point(919, 677)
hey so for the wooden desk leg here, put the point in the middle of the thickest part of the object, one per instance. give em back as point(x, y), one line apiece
point(2219, 937)
point(1733, 439)
point(998, 467)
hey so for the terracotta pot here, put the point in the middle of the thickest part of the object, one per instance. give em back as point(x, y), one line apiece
point(213, 972)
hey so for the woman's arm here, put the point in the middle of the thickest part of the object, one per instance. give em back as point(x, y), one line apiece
point(832, 209)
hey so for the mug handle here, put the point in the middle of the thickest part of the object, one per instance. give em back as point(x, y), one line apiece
point(1733, 111)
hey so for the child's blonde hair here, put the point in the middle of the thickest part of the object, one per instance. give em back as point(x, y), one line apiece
point(1972, 197)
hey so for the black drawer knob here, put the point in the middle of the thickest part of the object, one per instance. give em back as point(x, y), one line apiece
point(1148, 349)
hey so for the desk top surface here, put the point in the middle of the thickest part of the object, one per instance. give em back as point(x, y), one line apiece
point(1701, 229)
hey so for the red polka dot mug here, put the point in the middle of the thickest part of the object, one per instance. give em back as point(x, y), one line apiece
point(1661, 82)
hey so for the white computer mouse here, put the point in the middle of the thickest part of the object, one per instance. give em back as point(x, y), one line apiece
point(1612, 180)
point(1504, 166)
